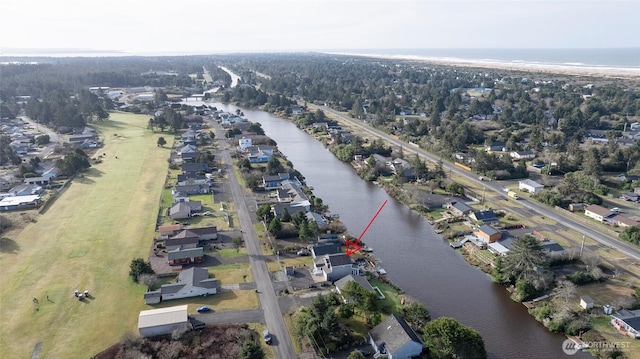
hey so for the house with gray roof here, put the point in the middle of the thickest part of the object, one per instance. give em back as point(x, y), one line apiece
point(458, 208)
point(334, 266)
point(181, 210)
point(627, 322)
point(484, 216)
point(319, 250)
point(394, 339)
point(184, 239)
point(192, 282)
point(180, 256)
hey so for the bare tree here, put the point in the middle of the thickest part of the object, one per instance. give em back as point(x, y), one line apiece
point(150, 280)
point(564, 291)
point(591, 260)
point(596, 273)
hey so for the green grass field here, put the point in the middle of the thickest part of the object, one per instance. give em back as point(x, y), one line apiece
point(85, 240)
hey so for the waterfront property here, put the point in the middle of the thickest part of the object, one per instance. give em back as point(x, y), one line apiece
point(487, 233)
point(163, 321)
point(627, 322)
point(394, 339)
point(334, 266)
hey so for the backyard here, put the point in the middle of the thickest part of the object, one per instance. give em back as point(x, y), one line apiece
point(85, 241)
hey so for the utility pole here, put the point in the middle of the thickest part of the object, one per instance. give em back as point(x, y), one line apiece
point(582, 246)
point(483, 190)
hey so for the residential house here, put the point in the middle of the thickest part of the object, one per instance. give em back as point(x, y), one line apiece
point(278, 209)
point(51, 172)
point(206, 233)
point(40, 181)
point(622, 221)
point(484, 216)
point(197, 167)
point(244, 143)
point(192, 282)
point(627, 177)
point(25, 190)
point(334, 266)
point(275, 180)
point(630, 196)
point(259, 156)
point(530, 186)
point(551, 247)
point(189, 189)
point(458, 208)
point(322, 126)
point(522, 155)
point(168, 230)
point(193, 179)
point(393, 338)
point(318, 219)
point(189, 153)
point(296, 110)
point(181, 210)
point(361, 280)
point(13, 203)
point(163, 321)
point(184, 239)
point(487, 233)
point(598, 213)
point(627, 322)
point(180, 256)
point(319, 250)
point(403, 169)
point(495, 147)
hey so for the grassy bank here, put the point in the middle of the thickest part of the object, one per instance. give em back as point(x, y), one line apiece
point(86, 240)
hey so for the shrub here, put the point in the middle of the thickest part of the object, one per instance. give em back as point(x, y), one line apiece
point(580, 278)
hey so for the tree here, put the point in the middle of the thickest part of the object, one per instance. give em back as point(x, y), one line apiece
point(524, 260)
point(356, 355)
point(416, 314)
point(275, 227)
point(161, 141)
point(263, 213)
point(237, 243)
point(42, 140)
point(139, 267)
point(286, 216)
point(251, 349)
point(446, 338)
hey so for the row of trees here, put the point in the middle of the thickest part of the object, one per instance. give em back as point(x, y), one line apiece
point(62, 111)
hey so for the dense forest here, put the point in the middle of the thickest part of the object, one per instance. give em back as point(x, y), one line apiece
point(577, 126)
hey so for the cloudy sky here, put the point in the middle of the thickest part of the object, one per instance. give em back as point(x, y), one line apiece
point(205, 26)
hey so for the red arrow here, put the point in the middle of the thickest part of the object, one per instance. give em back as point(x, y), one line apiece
point(354, 246)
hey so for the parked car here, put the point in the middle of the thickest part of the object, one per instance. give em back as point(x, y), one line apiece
point(203, 309)
point(267, 337)
point(304, 252)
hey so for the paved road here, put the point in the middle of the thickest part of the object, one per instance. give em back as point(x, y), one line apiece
point(272, 314)
point(530, 208)
point(231, 317)
point(54, 140)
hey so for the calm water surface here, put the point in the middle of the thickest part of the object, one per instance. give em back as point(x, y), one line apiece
point(415, 257)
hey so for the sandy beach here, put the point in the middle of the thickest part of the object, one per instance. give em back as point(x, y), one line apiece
point(588, 71)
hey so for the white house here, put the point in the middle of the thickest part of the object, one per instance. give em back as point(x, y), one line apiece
point(530, 186)
point(334, 266)
point(192, 282)
point(627, 322)
point(244, 143)
point(522, 155)
point(598, 213)
point(163, 321)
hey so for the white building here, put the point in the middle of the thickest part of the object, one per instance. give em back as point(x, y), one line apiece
point(530, 186)
point(244, 143)
point(163, 321)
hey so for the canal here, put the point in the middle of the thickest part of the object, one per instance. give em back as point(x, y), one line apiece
point(414, 256)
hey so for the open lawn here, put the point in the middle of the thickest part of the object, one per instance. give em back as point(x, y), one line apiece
point(228, 300)
point(392, 301)
point(85, 240)
point(232, 273)
point(630, 347)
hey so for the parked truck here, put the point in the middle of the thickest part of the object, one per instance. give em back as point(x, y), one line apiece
point(512, 194)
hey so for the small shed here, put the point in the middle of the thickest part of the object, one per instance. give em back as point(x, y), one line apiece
point(586, 302)
point(290, 270)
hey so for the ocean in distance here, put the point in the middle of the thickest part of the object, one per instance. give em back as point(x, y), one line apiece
point(605, 58)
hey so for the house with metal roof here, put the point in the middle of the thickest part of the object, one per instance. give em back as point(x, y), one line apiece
point(530, 186)
point(484, 216)
point(394, 339)
point(163, 321)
